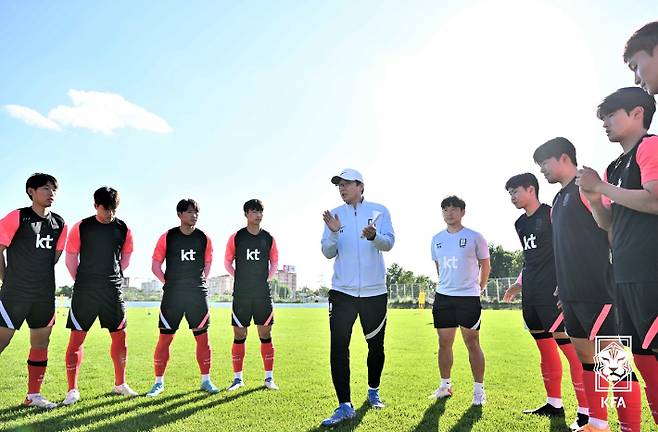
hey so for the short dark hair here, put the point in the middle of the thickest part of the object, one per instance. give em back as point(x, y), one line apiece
point(628, 98)
point(253, 204)
point(645, 39)
point(453, 201)
point(37, 180)
point(107, 197)
point(185, 204)
point(524, 180)
point(554, 148)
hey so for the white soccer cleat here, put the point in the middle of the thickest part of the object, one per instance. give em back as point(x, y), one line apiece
point(270, 384)
point(124, 390)
point(73, 396)
point(236, 384)
point(39, 401)
point(479, 398)
point(155, 390)
point(441, 392)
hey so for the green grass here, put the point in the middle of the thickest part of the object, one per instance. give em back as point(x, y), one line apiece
point(301, 338)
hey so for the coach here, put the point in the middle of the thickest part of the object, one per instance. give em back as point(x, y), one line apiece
point(355, 234)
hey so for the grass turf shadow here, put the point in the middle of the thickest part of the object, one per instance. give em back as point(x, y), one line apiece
point(430, 420)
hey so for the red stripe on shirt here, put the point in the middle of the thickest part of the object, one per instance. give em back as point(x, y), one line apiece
point(128, 244)
point(160, 251)
point(73, 242)
point(8, 227)
point(647, 159)
point(62, 239)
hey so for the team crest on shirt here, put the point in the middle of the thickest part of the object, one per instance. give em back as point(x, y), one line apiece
point(438, 245)
point(462, 242)
point(36, 227)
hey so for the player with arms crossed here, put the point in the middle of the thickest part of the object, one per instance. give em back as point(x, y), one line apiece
point(34, 239)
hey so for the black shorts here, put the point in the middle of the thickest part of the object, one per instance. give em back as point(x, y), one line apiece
point(546, 318)
point(637, 305)
point(37, 314)
point(86, 306)
point(588, 320)
point(261, 309)
point(175, 304)
point(457, 311)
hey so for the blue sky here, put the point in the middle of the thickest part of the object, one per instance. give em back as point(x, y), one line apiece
point(270, 99)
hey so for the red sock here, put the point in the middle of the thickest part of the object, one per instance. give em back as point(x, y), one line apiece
point(595, 399)
point(74, 354)
point(119, 353)
point(629, 411)
point(237, 354)
point(648, 366)
point(203, 353)
point(576, 369)
point(161, 356)
point(267, 352)
point(551, 366)
point(37, 361)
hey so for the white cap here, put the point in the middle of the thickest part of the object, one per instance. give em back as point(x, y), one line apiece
point(348, 174)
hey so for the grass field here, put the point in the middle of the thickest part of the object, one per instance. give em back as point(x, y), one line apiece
point(301, 338)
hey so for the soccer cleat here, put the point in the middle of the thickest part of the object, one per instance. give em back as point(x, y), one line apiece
point(589, 428)
point(342, 413)
point(270, 384)
point(374, 399)
point(208, 386)
point(38, 401)
point(441, 392)
point(155, 390)
point(479, 398)
point(73, 396)
point(546, 410)
point(236, 384)
point(124, 390)
point(580, 421)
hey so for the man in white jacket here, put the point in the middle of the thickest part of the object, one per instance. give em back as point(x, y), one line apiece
point(356, 234)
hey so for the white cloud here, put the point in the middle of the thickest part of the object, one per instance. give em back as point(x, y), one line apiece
point(31, 117)
point(106, 112)
point(97, 111)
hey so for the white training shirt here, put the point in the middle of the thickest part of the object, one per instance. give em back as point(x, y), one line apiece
point(458, 254)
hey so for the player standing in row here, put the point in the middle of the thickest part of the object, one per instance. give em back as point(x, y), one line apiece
point(540, 313)
point(97, 252)
point(630, 214)
point(188, 253)
point(584, 279)
point(461, 256)
point(356, 234)
point(34, 239)
point(256, 261)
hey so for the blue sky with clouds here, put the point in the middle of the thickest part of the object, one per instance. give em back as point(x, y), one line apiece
point(225, 101)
